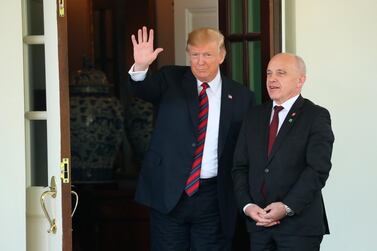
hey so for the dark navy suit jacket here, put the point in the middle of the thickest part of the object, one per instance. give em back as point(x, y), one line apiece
point(173, 91)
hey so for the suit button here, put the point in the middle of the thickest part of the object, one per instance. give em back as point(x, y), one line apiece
point(266, 170)
point(193, 144)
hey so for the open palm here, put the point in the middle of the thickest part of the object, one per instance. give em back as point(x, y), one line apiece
point(144, 54)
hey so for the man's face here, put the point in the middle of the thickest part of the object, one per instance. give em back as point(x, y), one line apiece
point(284, 79)
point(205, 60)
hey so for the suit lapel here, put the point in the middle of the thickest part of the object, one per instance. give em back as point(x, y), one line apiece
point(190, 89)
point(293, 114)
point(265, 125)
point(225, 113)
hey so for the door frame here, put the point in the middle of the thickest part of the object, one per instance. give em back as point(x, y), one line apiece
point(270, 36)
point(64, 125)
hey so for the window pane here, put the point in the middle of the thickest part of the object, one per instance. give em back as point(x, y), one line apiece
point(237, 61)
point(236, 16)
point(37, 79)
point(254, 16)
point(255, 69)
point(38, 153)
point(35, 17)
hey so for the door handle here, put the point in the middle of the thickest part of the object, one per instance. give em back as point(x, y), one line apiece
point(51, 192)
point(76, 202)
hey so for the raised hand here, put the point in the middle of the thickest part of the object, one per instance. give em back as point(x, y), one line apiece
point(144, 54)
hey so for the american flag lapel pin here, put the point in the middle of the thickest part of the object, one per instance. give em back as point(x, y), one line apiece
point(230, 96)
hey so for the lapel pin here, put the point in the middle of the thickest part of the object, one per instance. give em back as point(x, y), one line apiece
point(230, 96)
point(291, 118)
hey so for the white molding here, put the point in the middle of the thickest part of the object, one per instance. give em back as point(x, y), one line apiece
point(283, 26)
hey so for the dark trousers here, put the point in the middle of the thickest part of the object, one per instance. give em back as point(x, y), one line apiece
point(272, 240)
point(194, 224)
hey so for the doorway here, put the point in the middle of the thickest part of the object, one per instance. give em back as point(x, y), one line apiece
point(109, 129)
point(100, 54)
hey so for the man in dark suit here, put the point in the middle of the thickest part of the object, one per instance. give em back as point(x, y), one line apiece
point(186, 174)
point(282, 162)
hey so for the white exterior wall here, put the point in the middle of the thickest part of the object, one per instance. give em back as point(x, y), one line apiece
point(338, 41)
point(12, 132)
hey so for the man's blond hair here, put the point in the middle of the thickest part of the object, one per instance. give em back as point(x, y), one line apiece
point(204, 36)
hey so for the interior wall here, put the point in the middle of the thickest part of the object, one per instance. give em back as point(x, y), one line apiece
point(134, 22)
point(165, 31)
point(80, 27)
point(12, 132)
point(338, 39)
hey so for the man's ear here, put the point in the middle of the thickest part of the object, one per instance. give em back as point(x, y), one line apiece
point(222, 55)
point(301, 81)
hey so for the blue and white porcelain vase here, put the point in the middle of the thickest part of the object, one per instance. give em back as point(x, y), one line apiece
point(97, 127)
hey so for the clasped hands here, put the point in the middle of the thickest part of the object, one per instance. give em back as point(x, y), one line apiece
point(268, 216)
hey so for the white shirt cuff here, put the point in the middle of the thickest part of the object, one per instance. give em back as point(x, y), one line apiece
point(137, 75)
point(244, 208)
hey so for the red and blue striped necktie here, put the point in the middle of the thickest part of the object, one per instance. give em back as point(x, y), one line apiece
point(192, 183)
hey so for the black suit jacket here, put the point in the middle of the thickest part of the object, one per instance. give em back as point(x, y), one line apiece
point(296, 170)
point(167, 163)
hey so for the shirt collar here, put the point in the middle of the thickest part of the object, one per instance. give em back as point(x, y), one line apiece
point(214, 85)
point(287, 104)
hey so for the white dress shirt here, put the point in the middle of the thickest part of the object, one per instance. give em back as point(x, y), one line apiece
point(287, 105)
point(210, 157)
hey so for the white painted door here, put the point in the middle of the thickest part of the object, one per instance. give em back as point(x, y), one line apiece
point(189, 15)
point(43, 141)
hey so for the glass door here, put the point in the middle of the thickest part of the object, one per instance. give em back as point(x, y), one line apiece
point(46, 168)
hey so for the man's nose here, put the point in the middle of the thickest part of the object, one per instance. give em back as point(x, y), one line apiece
point(271, 78)
point(200, 59)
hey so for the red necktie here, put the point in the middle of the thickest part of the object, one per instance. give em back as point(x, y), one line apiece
point(192, 183)
point(271, 139)
point(273, 128)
